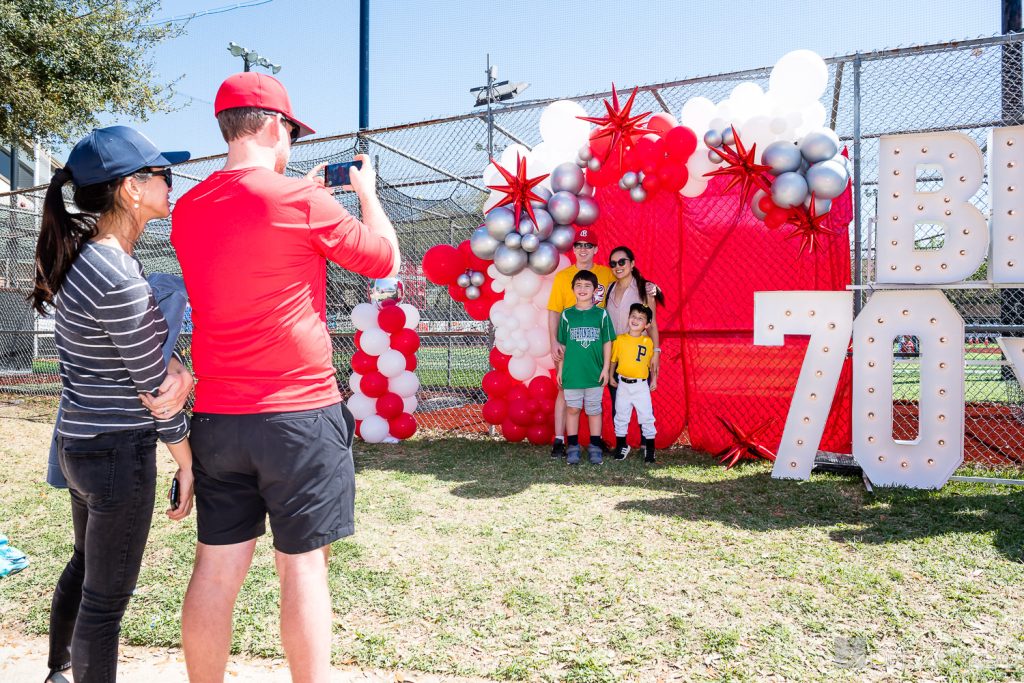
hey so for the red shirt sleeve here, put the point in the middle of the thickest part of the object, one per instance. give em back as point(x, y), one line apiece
point(339, 236)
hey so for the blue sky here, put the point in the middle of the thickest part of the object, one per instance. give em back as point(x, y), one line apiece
point(426, 54)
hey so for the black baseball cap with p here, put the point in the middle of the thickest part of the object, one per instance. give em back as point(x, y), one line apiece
point(114, 152)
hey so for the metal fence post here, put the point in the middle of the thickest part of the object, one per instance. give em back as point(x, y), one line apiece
point(858, 258)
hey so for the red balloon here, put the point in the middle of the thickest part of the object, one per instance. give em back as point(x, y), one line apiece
point(391, 319)
point(540, 418)
point(496, 383)
point(499, 361)
point(766, 204)
point(513, 433)
point(495, 411)
point(410, 362)
point(403, 426)
point(359, 428)
point(547, 406)
point(518, 393)
point(443, 263)
point(363, 363)
point(599, 146)
point(358, 340)
point(776, 218)
point(661, 123)
point(520, 414)
point(457, 293)
point(543, 388)
point(472, 260)
point(406, 341)
point(650, 149)
point(652, 182)
point(390, 405)
point(680, 142)
point(479, 309)
point(374, 385)
point(674, 176)
point(539, 435)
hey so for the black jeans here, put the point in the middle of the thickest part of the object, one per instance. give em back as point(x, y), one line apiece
point(112, 480)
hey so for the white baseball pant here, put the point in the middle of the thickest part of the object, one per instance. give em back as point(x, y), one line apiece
point(630, 396)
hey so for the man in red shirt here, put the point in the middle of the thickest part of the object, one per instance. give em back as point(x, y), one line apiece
point(270, 434)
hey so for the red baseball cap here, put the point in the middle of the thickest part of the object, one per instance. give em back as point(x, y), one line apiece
point(586, 235)
point(254, 89)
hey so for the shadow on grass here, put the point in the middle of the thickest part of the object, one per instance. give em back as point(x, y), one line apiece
point(699, 489)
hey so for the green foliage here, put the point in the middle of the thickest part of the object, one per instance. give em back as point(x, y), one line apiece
point(64, 61)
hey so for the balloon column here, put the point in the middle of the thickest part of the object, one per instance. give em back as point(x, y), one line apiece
point(522, 410)
point(383, 380)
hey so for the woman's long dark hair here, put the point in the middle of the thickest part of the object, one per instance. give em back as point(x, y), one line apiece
point(63, 233)
point(641, 282)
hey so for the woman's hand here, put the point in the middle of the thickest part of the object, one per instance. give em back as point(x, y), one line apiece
point(655, 362)
point(173, 392)
point(557, 352)
point(186, 485)
point(652, 290)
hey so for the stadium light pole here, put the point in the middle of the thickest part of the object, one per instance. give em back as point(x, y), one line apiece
point(252, 58)
point(494, 91)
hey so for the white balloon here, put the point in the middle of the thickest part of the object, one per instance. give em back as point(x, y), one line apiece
point(492, 270)
point(405, 385)
point(511, 297)
point(491, 175)
point(391, 363)
point(364, 317)
point(361, 406)
point(812, 116)
point(409, 404)
point(353, 382)
point(747, 99)
point(522, 368)
point(800, 76)
point(509, 154)
point(526, 283)
point(539, 343)
point(412, 316)
point(560, 127)
point(374, 429)
point(492, 201)
point(697, 114)
point(504, 344)
point(526, 315)
point(375, 341)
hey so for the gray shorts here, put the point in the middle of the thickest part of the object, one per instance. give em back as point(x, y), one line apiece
point(587, 399)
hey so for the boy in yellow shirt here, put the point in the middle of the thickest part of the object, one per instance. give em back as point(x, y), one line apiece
point(630, 371)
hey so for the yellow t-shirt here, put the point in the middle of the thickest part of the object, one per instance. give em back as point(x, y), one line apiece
point(633, 355)
point(562, 296)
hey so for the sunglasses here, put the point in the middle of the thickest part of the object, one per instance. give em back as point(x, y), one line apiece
point(584, 245)
point(620, 262)
point(293, 130)
point(164, 173)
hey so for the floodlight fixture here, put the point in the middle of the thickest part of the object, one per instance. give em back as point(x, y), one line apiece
point(252, 58)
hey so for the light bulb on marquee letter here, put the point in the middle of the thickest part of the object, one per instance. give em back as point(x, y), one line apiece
point(901, 207)
point(931, 459)
point(828, 318)
point(1006, 186)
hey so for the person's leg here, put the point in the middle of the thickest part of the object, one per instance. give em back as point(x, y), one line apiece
point(209, 603)
point(572, 424)
point(573, 407)
point(306, 614)
point(645, 416)
point(67, 596)
point(623, 411)
point(558, 449)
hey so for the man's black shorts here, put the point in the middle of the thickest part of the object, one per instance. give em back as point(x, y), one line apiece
point(295, 467)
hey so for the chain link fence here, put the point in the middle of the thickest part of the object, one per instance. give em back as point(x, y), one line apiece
point(430, 176)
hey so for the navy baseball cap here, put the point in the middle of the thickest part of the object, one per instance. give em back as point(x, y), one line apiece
point(115, 152)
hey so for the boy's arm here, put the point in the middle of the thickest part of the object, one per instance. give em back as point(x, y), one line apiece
point(607, 349)
point(182, 454)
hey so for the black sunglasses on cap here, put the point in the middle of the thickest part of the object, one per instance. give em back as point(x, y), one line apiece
point(164, 172)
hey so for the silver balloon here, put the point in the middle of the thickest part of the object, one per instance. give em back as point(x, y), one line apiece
point(638, 194)
point(564, 207)
point(472, 292)
point(386, 290)
point(500, 221)
point(581, 163)
point(827, 179)
point(754, 201)
point(562, 238)
point(630, 180)
point(819, 145)
point(509, 261)
point(529, 243)
point(789, 190)
point(782, 156)
point(512, 240)
point(585, 153)
point(477, 279)
point(586, 191)
point(527, 226)
point(820, 205)
point(714, 157)
point(542, 192)
point(545, 259)
point(594, 164)
point(728, 137)
point(483, 244)
point(545, 223)
point(588, 212)
point(622, 184)
point(713, 138)
point(567, 177)
point(463, 280)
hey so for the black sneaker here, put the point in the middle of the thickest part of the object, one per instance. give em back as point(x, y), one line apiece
point(558, 450)
point(621, 453)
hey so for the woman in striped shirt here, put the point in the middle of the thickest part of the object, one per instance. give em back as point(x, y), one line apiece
point(109, 334)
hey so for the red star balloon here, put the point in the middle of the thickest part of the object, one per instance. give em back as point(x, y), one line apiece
point(519, 190)
point(808, 226)
point(620, 124)
point(742, 168)
point(743, 446)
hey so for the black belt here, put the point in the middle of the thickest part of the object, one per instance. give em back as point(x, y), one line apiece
point(630, 380)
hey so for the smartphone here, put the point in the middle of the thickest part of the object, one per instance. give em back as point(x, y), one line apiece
point(175, 494)
point(337, 175)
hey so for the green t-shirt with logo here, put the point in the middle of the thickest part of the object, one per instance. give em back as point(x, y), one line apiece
point(584, 334)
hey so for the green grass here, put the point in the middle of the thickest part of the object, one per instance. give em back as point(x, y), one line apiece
point(489, 559)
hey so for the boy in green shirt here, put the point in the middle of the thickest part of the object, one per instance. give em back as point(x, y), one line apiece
point(586, 332)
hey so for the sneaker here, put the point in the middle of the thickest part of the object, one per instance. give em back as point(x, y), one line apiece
point(649, 455)
point(12, 560)
point(558, 450)
point(621, 453)
point(572, 455)
point(596, 454)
